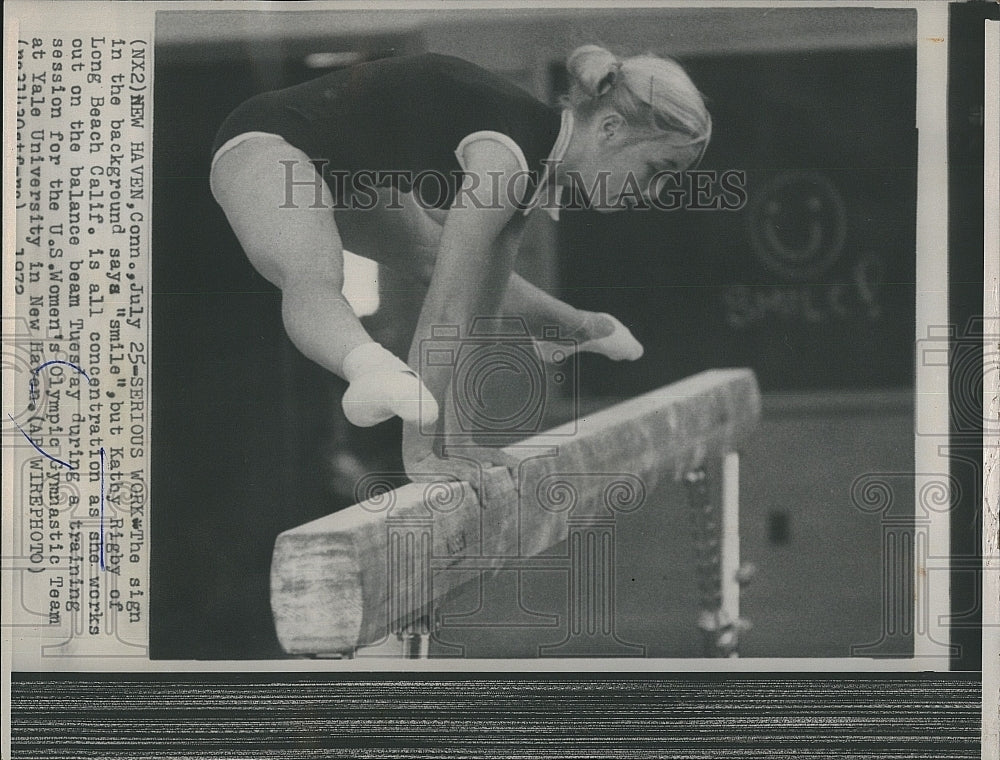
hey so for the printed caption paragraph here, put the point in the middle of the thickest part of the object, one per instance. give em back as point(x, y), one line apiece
point(77, 425)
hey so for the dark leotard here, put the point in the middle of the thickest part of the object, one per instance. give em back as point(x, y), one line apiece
point(406, 114)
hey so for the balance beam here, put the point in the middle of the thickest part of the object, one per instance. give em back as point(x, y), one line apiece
point(351, 578)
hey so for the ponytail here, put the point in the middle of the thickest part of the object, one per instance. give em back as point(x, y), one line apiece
point(652, 94)
point(592, 71)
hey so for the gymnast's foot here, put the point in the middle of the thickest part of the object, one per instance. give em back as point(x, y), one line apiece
point(611, 338)
point(382, 386)
point(599, 334)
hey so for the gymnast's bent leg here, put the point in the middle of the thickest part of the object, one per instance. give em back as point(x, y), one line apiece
point(408, 241)
point(591, 331)
point(298, 248)
point(475, 258)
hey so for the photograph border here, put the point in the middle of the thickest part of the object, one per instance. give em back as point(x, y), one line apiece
point(917, 708)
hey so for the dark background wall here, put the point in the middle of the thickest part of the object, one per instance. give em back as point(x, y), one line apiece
point(245, 428)
point(769, 286)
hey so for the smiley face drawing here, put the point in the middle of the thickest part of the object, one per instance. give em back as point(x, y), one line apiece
point(798, 225)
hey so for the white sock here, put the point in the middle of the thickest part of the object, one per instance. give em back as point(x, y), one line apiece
point(618, 344)
point(382, 386)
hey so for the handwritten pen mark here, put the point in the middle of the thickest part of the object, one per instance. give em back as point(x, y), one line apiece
point(32, 385)
point(33, 382)
point(79, 369)
point(102, 509)
point(38, 448)
point(44, 453)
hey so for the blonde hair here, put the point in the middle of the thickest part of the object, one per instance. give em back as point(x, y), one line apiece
point(652, 94)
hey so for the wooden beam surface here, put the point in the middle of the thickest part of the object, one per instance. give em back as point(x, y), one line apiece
point(351, 578)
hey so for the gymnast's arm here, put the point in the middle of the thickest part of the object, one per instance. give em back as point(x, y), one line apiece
point(295, 246)
point(479, 243)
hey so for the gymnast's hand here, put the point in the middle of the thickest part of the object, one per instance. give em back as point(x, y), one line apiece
point(383, 386)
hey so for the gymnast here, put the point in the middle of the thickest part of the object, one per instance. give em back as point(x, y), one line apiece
point(502, 153)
